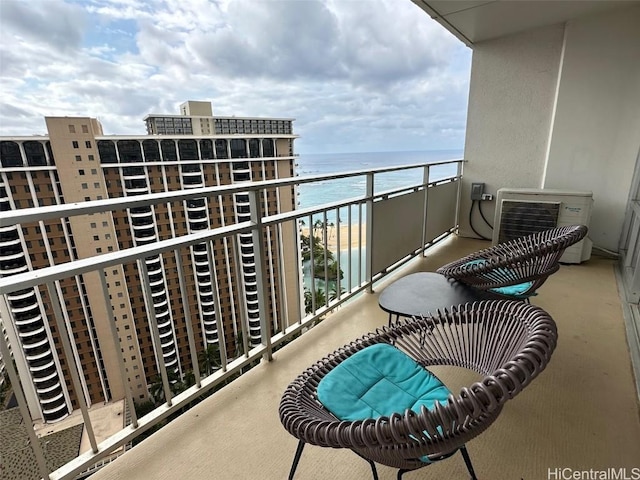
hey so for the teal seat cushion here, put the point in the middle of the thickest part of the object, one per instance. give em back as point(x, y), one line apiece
point(519, 290)
point(378, 381)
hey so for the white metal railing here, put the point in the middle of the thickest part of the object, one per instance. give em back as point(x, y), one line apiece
point(362, 216)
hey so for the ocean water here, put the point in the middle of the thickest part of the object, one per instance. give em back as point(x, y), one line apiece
point(318, 193)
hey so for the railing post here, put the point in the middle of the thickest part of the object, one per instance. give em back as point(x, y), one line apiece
point(116, 341)
point(222, 339)
point(425, 208)
point(459, 180)
point(20, 397)
point(144, 277)
point(187, 316)
point(73, 369)
point(261, 273)
point(338, 254)
point(325, 258)
point(369, 230)
point(350, 257)
point(242, 295)
point(312, 262)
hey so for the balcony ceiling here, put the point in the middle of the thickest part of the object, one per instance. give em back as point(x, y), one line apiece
point(474, 21)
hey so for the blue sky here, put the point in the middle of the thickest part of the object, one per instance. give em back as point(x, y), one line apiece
point(357, 75)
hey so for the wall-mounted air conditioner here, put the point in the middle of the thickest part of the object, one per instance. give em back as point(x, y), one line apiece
point(522, 211)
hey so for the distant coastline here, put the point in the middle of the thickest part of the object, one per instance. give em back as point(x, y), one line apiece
point(332, 237)
point(314, 194)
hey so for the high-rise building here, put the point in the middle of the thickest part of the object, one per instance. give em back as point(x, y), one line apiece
point(196, 118)
point(76, 162)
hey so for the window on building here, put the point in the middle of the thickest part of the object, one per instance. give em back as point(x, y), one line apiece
point(151, 150)
point(91, 158)
point(85, 129)
point(87, 144)
point(268, 149)
point(206, 149)
point(75, 144)
point(107, 151)
point(72, 129)
point(254, 148)
point(188, 149)
point(168, 148)
point(84, 186)
point(80, 172)
point(221, 148)
point(129, 151)
point(34, 151)
point(10, 154)
point(238, 148)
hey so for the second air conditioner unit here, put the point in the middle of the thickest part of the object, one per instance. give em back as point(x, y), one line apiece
point(523, 211)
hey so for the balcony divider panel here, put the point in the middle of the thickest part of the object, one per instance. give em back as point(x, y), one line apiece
point(441, 209)
point(396, 235)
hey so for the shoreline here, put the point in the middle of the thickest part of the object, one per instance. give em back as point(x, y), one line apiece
point(332, 236)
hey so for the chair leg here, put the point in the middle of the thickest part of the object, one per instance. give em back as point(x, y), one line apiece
point(296, 459)
point(467, 462)
point(402, 472)
point(373, 469)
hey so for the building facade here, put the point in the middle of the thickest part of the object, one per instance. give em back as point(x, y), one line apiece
point(76, 162)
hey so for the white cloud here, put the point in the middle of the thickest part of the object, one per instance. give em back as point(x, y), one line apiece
point(358, 75)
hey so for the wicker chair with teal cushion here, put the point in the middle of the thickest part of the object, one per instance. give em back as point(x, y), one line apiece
point(377, 397)
point(517, 268)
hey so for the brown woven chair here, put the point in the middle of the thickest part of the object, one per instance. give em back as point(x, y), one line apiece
point(517, 268)
point(507, 342)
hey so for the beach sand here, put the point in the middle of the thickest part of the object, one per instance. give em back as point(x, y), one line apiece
point(332, 236)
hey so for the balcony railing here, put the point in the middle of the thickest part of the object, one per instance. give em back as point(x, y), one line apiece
point(384, 230)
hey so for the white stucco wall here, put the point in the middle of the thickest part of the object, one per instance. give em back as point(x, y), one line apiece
point(511, 98)
point(596, 132)
point(519, 136)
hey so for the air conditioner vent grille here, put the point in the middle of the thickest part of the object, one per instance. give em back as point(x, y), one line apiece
point(519, 218)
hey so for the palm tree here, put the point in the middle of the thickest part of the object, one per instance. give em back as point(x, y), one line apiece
point(209, 359)
point(156, 389)
point(4, 389)
point(320, 298)
point(189, 379)
point(239, 344)
point(332, 268)
point(332, 227)
point(322, 226)
point(333, 292)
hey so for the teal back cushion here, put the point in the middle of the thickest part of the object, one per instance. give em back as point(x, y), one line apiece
point(378, 381)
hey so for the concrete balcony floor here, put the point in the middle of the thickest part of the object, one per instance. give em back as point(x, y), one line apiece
point(581, 413)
